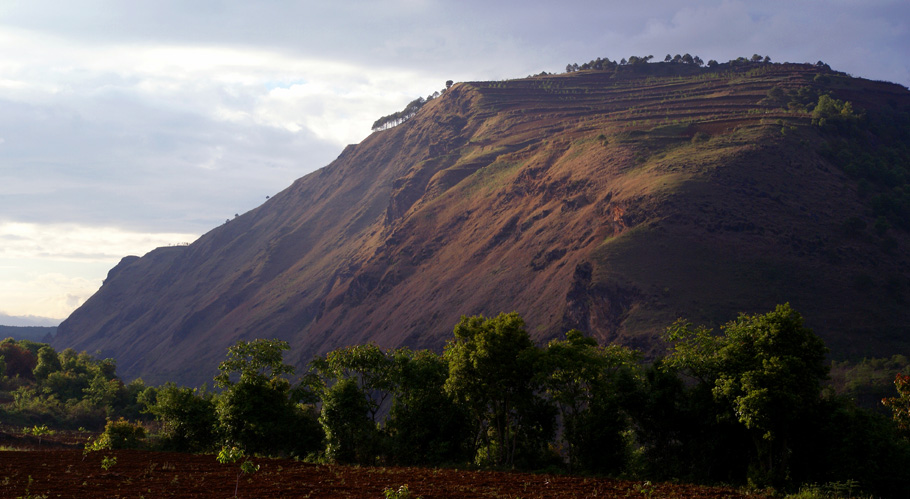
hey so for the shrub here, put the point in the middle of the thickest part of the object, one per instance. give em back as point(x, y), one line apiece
point(229, 455)
point(700, 137)
point(187, 416)
point(401, 493)
point(121, 434)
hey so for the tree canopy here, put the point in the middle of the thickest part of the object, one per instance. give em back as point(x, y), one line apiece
point(498, 349)
point(257, 359)
point(765, 369)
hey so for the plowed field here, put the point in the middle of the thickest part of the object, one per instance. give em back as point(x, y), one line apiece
point(64, 473)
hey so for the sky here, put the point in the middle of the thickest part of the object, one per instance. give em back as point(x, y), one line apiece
point(126, 125)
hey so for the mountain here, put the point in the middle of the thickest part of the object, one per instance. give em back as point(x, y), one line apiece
point(609, 201)
point(33, 333)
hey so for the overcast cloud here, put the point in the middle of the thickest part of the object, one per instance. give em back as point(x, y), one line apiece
point(129, 125)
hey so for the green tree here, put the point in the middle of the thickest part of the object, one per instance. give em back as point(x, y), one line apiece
point(678, 433)
point(350, 434)
point(258, 359)
point(491, 372)
point(370, 371)
point(257, 412)
point(766, 370)
point(105, 393)
point(831, 111)
point(230, 455)
point(48, 362)
point(425, 425)
point(368, 365)
point(187, 416)
point(587, 383)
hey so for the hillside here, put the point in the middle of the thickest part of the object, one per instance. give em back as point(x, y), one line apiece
point(608, 201)
point(33, 333)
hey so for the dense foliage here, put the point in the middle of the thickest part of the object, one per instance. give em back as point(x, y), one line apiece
point(763, 371)
point(747, 404)
point(62, 389)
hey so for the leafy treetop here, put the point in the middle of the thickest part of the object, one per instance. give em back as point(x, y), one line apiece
point(765, 369)
point(254, 360)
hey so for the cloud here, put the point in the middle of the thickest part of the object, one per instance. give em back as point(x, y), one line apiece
point(79, 243)
point(48, 295)
point(27, 320)
point(48, 270)
point(177, 139)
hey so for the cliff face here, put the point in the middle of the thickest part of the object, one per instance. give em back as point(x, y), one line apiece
point(611, 202)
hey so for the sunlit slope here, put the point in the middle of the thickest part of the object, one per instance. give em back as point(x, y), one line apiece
point(611, 202)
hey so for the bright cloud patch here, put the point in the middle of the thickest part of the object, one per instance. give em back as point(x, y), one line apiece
point(251, 86)
point(68, 242)
point(49, 270)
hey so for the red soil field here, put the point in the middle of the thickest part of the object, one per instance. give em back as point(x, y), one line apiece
point(58, 472)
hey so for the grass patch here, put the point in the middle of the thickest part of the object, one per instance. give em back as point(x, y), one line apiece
point(490, 177)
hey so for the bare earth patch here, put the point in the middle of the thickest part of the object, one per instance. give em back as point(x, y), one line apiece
point(64, 473)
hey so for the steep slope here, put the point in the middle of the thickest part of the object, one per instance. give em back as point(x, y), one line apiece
point(611, 201)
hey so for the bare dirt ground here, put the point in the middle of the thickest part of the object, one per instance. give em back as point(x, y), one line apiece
point(57, 467)
point(52, 473)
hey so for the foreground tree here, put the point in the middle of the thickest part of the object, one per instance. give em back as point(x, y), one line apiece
point(355, 386)
point(587, 383)
point(766, 370)
point(257, 411)
point(425, 425)
point(491, 372)
point(369, 367)
point(187, 416)
point(349, 433)
point(18, 361)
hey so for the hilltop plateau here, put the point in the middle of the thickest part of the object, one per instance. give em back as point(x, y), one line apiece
point(610, 201)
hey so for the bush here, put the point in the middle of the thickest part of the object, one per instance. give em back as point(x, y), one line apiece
point(700, 137)
point(121, 434)
point(187, 416)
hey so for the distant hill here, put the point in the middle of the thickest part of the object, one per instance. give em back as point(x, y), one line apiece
point(34, 333)
point(611, 201)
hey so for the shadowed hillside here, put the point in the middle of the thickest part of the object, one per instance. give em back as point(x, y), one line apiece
point(608, 201)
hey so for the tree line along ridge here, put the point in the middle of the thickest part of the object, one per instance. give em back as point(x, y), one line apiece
point(598, 64)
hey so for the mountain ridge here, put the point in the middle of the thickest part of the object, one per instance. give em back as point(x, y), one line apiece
point(608, 201)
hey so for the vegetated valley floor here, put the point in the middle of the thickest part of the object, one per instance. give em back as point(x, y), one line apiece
point(53, 470)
